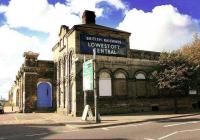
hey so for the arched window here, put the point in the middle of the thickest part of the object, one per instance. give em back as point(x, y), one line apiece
point(66, 65)
point(104, 75)
point(59, 70)
point(105, 88)
point(17, 98)
point(120, 84)
point(152, 90)
point(140, 76)
point(58, 86)
point(141, 89)
point(120, 75)
point(70, 62)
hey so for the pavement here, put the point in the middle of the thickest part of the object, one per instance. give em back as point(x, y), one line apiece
point(77, 123)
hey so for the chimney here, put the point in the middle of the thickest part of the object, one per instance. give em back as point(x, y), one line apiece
point(88, 17)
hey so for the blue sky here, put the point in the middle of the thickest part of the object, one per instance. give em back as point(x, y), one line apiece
point(33, 25)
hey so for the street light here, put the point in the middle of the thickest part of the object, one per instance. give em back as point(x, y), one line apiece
point(89, 83)
point(85, 94)
point(97, 119)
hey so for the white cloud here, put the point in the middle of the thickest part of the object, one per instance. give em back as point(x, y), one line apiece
point(12, 46)
point(162, 29)
point(41, 16)
point(78, 6)
point(3, 8)
point(37, 15)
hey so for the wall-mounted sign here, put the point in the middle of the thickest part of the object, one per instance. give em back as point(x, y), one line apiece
point(103, 45)
point(88, 75)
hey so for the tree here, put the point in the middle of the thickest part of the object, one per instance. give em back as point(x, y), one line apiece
point(191, 52)
point(174, 74)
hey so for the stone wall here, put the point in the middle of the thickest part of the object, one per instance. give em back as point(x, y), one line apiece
point(24, 90)
point(120, 105)
point(129, 76)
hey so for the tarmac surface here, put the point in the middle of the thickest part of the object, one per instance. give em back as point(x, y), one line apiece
point(136, 126)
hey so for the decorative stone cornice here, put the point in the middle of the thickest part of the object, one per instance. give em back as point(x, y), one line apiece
point(30, 55)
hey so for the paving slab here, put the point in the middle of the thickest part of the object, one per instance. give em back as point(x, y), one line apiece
point(114, 120)
point(77, 123)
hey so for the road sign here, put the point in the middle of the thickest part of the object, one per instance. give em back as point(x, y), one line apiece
point(88, 75)
point(87, 113)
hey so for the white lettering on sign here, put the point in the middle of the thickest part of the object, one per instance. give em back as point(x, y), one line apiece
point(104, 45)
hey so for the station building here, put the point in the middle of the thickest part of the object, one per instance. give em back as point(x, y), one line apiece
point(123, 75)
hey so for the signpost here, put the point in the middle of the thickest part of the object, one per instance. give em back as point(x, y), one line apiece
point(88, 75)
point(89, 84)
point(97, 118)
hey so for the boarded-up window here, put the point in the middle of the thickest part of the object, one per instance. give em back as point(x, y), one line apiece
point(120, 84)
point(141, 88)
point(140, 84)
point(105, 84)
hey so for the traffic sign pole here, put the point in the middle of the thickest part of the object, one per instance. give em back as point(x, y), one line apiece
point(97, 120)
point(85, 93)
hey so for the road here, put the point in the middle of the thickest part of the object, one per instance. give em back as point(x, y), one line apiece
point(185, 128)
point(181, 128)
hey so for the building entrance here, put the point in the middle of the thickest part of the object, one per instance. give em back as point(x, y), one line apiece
point(44, 95)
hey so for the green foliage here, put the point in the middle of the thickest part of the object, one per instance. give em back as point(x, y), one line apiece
point(178, 70)
point(191, 51)
point(171, 71)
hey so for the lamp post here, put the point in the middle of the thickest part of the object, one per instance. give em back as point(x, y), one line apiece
point(85, 94)
point(97, 120)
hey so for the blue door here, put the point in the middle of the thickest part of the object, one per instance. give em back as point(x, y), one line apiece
point(44, 95)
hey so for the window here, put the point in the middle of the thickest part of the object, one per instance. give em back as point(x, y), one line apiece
point(120, 84)
point(70, 62)
point(61, 44)
point(65, 41)
point(104, 84)
point(140, 76)
point(140, 84)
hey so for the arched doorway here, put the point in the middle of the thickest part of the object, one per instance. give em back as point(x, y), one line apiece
point(44, 95)
point(105, 84)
